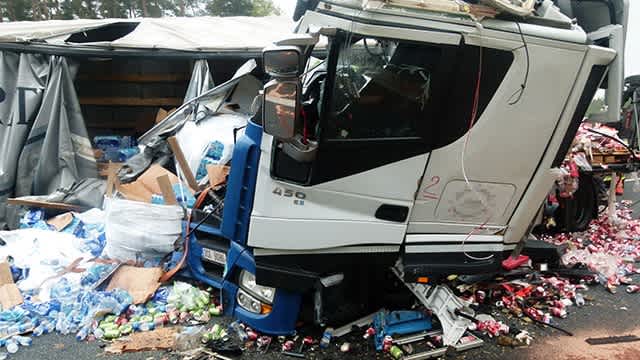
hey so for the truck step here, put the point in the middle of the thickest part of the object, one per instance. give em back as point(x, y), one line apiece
point(443, 303)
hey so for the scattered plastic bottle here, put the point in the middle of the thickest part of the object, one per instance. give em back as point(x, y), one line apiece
point(326, 338)
point(95, 273)
point(23, 340)
point(238, 329)
point(189, 338)
point(45, 327)
point(22, 327)
point(83, 333)
point(12, 346)
point(147, 326)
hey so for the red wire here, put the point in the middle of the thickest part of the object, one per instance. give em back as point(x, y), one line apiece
point(474, 113)
point(169, 274)
point(304, 129)
point(476, 96)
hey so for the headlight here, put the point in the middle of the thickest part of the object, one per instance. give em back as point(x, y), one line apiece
point(248, 302)
point(248, 282)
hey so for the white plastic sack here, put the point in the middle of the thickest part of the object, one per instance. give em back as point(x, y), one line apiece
point(195, 138)
point(141, 231)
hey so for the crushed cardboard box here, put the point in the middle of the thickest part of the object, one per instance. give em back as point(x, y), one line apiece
point(146, 185)
point(9, 293)
point(162, 114)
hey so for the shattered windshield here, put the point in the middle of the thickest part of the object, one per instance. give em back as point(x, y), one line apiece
point(381, 88)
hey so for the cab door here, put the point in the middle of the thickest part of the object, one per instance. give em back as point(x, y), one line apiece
point(374, 133)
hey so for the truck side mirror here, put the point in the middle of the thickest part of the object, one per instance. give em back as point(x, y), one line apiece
point(281, 107)
point(283, 61)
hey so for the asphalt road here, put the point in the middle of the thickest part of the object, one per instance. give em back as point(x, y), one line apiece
point(608, 314)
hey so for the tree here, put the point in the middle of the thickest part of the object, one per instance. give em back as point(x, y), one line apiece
point(229, 7)
point(17, 10)
point(264, 8)
point(596, 106)
point(113, 9)
point(66, 10)
point(242, 8)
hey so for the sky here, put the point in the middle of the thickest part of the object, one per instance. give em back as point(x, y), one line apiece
point(632, 55)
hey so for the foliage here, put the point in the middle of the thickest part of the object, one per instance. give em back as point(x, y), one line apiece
point(19, 10)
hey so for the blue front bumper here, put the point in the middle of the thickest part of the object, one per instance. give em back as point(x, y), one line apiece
point(285, 308)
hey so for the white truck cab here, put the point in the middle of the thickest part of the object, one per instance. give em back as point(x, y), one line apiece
point(422, 138)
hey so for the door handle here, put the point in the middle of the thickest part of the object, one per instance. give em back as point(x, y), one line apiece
point(395, 213)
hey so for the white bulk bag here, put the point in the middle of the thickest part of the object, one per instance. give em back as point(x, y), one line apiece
point(141, 231)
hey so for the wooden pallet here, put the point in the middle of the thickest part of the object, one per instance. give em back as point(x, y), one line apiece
point(616, 157)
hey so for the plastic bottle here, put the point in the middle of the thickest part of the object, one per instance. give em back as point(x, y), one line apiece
point(83, 333)
point(21, 327)
point(326, 338)
point(189, 338)
point(23, 340)
point(45, 327)
point(147, 326)
point(239, 330)
point(12, 346)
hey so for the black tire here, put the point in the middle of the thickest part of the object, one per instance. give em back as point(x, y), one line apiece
point(576, 213)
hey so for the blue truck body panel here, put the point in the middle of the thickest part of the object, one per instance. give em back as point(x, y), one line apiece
point(236, 216)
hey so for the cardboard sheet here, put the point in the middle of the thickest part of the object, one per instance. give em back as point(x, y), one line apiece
point(217, 174)
point(61, 221)
point(9, 293)
point(147, 184)
point(159, 339)
point(140, 282)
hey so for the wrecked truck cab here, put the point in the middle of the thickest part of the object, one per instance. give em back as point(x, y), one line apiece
point(424, 144)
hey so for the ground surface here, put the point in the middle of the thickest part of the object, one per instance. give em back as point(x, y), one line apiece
point(607, 315)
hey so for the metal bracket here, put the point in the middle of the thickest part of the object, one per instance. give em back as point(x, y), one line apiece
point(443, 303)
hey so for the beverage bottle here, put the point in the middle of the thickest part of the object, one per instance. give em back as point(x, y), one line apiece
point(23, 340)
point(239, 330)
point(12, 346)
point(326, 338)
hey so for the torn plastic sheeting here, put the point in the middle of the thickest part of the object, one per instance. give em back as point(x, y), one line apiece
point(57, 152)
point(201, 80)
point(137, 230)
point(213, 99)
point(22, 76)
point(42, 132)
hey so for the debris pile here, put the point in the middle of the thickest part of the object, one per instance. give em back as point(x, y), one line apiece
point(597, 138)
point(608, 246)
